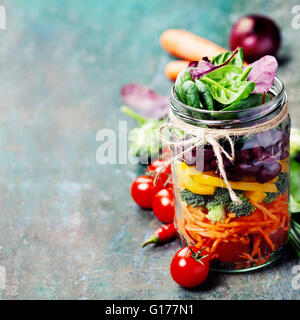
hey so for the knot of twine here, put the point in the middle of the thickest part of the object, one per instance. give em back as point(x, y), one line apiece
point(201, 136)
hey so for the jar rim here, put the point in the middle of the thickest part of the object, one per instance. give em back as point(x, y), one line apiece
point(277, 90)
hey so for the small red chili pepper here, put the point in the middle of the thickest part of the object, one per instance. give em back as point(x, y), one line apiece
point(162, 234)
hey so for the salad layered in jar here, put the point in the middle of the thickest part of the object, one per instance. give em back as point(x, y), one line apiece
point(224, 93)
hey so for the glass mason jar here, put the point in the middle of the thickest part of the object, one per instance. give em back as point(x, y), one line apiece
point(238, 238)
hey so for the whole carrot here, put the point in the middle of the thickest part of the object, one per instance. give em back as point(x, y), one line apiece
point(174, 67)
point(188, 46)
point(162, 234)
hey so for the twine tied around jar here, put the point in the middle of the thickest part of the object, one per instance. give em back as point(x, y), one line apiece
point(201, 136)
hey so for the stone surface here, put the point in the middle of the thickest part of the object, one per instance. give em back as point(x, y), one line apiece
point(68, 227)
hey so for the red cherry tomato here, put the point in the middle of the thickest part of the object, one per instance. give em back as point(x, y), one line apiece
point(142, 191)
point(155, 164)
point(163, 205)
point(190, 268)
point(164, 179)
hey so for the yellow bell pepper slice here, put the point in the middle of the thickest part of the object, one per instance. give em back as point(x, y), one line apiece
point(208, 179)
point(255, 196)
point(188, 182)
point(195, 187)
point(247, 186)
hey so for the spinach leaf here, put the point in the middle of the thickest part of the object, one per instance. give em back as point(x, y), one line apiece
point(190, 94)
point(187, 92)
point(252, 101)
point(205, 96)
point(237, 60)
point(245, 73)
point(181, 78)
point(225, 86)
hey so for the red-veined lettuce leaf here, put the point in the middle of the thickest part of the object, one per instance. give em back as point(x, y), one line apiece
point(263, 73)
point(205, 66)
point(149, 103)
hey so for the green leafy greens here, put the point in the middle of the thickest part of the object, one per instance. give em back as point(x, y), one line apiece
point(221, 84)
point(237, 60)
point(205, 95)
point(226, 84)
point(251, 101)
point(189, 92)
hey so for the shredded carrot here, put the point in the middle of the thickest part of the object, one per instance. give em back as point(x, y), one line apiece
point(247, 256)
point(267, 238)
point(265, 211)
point(259, 253)
point(256, 244)
point(231, 215)
point(264, 221)
point(227, 220)
point(199, 243)
point(215, 245)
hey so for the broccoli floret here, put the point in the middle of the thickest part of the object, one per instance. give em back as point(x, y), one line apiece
point(217, 206)
point(193, 199)
point(216, 212)
point(218, 203)
point(221, 196)
point(243, 209)
point(282, 186)
point(270, 197)
point(282, 183)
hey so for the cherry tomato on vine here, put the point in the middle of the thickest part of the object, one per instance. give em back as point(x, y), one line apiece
point(155, 164)
point(164, 180)
point(190, 266)
point(163, 205)
point(142, 191)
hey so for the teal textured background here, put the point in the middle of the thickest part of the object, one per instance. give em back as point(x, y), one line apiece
point(68, 227)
